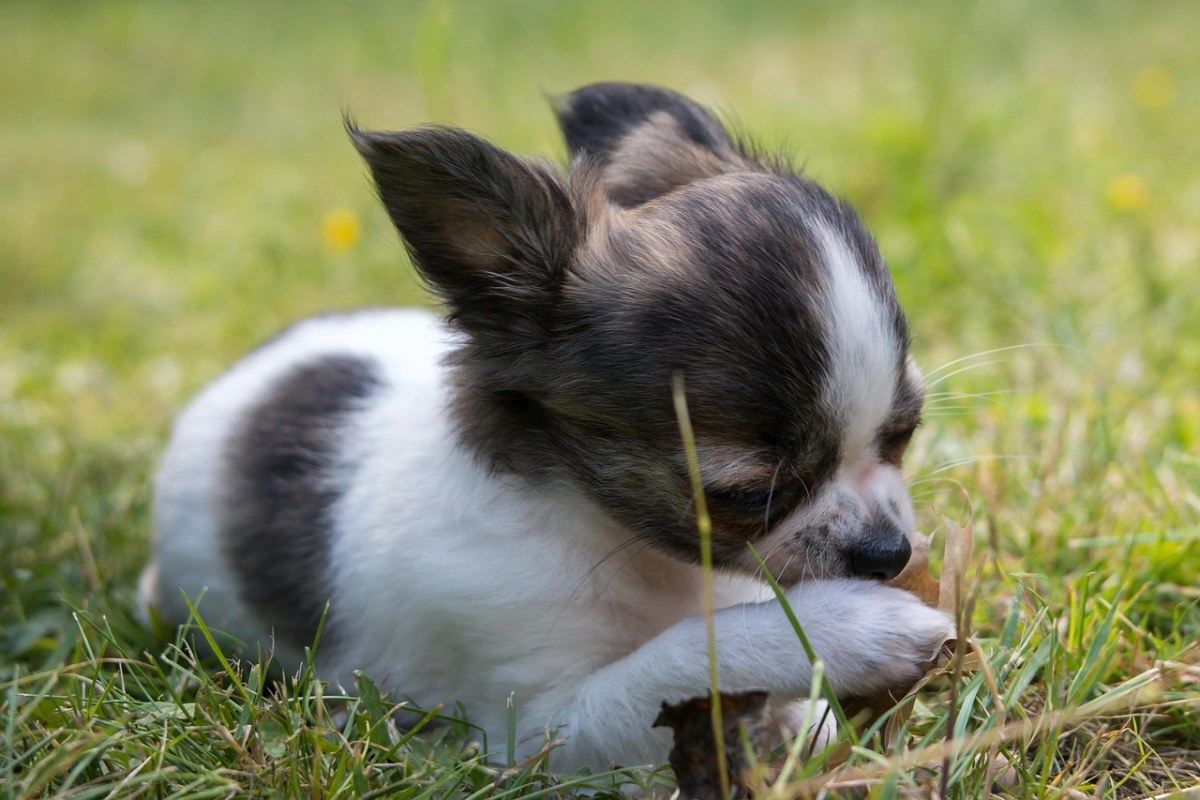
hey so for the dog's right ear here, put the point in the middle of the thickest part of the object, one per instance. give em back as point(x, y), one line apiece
point(647, 140)
point(491, 233)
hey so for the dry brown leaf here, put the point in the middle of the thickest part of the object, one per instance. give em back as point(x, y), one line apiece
point(915, 577)
point(744, 723)
point(955, 562)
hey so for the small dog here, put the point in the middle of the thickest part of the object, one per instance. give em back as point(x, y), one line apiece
point(500, 503)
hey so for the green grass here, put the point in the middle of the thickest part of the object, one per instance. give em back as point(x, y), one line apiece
point(1029, 170)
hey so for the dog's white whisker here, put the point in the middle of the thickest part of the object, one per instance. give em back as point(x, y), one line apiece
point(967, 460)
point(934, 397)
point(948, 411)
point(936, 371)
point(945, 376)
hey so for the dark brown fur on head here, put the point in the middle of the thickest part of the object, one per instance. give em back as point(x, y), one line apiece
point(669, 249)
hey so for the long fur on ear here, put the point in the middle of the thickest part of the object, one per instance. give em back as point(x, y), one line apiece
point(492, 234)
point(647, 140)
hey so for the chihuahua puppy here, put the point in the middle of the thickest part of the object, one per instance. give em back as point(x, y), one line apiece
point(498, 503)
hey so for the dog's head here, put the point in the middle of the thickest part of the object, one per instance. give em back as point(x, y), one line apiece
point(670, 250)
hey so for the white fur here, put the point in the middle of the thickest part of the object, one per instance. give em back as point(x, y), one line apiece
point(864, 348)
point(454, 584)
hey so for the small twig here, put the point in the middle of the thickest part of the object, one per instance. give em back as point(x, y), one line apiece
point(517, 769)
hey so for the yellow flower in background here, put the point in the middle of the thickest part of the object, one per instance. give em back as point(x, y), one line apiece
point(340, 229)
point(1154, 86)
point(1127, 192)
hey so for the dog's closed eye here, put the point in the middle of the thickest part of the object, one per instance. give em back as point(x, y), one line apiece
point(740, 500)
point(893, 443)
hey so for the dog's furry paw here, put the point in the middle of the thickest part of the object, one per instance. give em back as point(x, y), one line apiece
point(882, 639)
point(813, 720)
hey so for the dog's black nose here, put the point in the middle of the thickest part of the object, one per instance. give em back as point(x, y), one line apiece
point(880, 560)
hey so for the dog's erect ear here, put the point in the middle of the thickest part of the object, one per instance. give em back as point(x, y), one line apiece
point(491, 233)
point(648, 140)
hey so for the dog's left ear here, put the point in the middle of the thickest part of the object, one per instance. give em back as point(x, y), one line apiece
point(493, 234)
point(647, 140)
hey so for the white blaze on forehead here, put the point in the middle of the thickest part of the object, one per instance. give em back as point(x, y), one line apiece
point(863, 347)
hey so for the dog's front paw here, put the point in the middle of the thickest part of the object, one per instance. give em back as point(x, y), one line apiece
point(884, 640)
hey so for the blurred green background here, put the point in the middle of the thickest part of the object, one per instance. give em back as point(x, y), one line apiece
point(176, 185)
